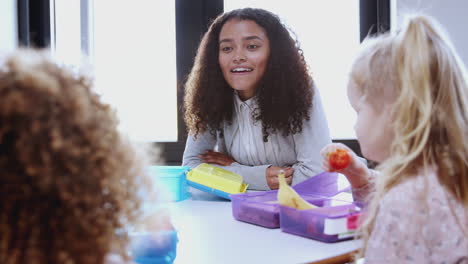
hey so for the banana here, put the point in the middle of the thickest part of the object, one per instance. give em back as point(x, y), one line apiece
point(287, 196)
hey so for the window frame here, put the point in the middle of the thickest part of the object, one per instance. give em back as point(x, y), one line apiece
point(33, 23)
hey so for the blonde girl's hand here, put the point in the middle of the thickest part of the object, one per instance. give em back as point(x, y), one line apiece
point(218, 158)
point(356, 171)
point(272, 176)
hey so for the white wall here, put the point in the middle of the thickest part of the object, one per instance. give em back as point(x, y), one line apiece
point(8, 25)
point(452, 14)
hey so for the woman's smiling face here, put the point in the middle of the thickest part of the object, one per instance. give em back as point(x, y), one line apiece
point(244, 49)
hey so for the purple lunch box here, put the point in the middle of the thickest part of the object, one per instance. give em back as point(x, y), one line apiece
point(333, 221)
point(262, 208)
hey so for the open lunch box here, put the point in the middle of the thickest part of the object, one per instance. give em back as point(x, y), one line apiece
point(335, 219)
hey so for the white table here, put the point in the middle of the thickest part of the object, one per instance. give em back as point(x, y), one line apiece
point(209, 234)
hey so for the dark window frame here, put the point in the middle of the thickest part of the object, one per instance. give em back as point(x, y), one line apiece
point(34, 23)
point(192, 20)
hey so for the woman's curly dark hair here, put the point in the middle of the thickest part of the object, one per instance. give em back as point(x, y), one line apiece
point(67, 180)
point(284, 94)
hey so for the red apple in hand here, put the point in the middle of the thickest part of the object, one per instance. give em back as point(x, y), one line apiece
point(339, 159)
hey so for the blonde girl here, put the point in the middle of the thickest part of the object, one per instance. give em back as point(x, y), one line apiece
point(410, 92)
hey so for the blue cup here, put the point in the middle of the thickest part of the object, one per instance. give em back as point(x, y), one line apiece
point(154, 247)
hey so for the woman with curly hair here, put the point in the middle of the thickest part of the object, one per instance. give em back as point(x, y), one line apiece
point(250, 105)
point(67, 180)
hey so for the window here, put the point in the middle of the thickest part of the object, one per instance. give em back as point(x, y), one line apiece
point(328, 32)
point(131, 45)
point(67, 34)
point(7, 25)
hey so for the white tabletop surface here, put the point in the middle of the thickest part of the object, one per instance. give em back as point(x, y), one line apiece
point(208, 234)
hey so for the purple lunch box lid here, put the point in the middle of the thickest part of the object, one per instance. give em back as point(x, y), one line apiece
point(326, 184)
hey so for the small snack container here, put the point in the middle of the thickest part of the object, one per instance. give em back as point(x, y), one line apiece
point(332, 221)
point(262, 208)
point(173, 179)
point(215, 180)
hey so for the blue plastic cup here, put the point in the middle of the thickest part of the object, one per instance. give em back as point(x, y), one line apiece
point(154, 247)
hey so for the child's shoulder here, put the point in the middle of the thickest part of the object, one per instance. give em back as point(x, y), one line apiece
point(422, 187)
point(422, 199)
point(420, 216)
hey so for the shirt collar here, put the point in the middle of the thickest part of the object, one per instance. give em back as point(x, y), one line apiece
point(251, 102)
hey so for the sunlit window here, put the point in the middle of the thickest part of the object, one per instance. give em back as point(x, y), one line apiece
point(8, 26)
point(328, 32)
point(131, 44)
point(67, 32)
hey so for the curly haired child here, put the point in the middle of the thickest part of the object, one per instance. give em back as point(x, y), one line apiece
point(67, 180)
point(410, 92)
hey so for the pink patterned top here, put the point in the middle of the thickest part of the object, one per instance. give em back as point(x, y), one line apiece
point(419, 222)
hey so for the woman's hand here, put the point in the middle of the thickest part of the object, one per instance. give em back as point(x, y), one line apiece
point(356, 172)
point(217, 158)
point(272, 176)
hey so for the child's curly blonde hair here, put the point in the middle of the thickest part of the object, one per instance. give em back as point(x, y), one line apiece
point(67, 179)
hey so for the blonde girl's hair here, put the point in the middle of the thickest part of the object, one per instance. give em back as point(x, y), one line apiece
point(418, 72)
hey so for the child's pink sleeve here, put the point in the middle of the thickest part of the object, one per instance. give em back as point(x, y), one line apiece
point(360, 195)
